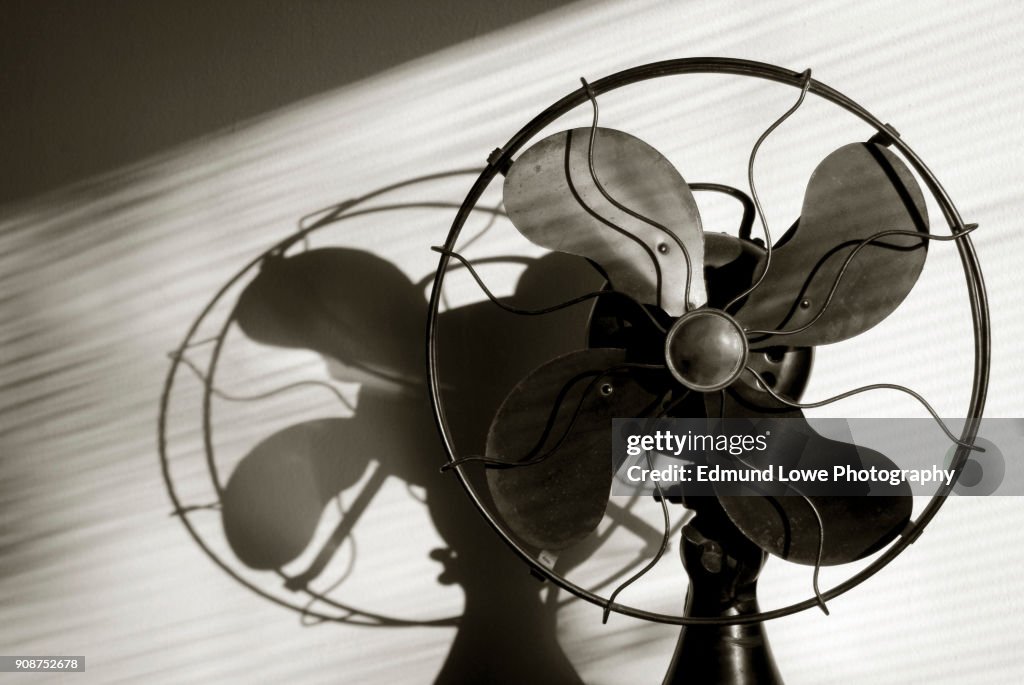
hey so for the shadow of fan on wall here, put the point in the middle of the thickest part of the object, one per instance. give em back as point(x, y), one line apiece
point(366, 318)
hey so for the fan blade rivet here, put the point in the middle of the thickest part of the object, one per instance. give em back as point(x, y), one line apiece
point(805, 304)
point(663, 248)
point(607, 389)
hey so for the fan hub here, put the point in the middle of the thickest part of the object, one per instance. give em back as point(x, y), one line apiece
point(706, 350)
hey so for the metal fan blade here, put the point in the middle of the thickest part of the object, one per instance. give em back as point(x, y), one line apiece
point(559, 418)
point(551, 197)
point(857, 191)
point(783, 523)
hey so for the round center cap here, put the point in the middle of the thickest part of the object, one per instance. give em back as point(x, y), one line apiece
point(706, 350)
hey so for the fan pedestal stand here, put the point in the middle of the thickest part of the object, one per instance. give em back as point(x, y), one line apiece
point(723, 569)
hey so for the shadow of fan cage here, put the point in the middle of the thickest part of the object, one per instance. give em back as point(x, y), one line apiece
point(267, 520)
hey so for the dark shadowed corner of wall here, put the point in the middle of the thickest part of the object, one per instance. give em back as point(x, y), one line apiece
point(89, 87)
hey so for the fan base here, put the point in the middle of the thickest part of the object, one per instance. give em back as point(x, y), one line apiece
point(723, 582)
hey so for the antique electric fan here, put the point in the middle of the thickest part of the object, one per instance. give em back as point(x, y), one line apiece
point(695, 324)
